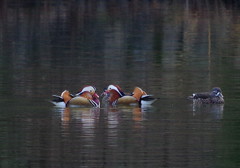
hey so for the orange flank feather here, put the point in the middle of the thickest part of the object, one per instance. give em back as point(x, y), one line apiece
point(138, 93)
point(66, 96)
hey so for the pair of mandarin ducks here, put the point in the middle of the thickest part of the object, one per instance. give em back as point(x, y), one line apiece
point(114, 95)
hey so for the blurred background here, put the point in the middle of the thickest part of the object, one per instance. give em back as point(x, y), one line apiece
point(168, 47)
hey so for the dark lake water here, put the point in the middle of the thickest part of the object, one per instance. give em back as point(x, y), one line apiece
point(169, 48)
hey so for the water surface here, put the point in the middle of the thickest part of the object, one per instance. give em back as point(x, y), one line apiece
point(170, 49)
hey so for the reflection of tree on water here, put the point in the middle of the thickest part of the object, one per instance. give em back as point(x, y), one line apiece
point(116, 37)
point(214, 111)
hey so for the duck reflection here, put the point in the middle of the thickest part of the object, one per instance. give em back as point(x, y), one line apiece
point(118, 119)
point(134, 112)
point(85, 122)
point(85, 115)
point(66, 115)
point(140, 114)
point(137, 114)
point(213, 111)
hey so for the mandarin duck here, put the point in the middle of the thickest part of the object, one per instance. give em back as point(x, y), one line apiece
point(215, 96)
point(86, 97)
point(114, 95)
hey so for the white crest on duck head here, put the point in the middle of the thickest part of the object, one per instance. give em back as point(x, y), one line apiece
point(116, 88)
point(90, 89)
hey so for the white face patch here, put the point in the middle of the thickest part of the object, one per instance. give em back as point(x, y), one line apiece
point(112, 87)
point(88, 89)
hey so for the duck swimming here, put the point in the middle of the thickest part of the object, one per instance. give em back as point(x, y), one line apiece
point(87, 96)
point(215, 96)
point(114, 95)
